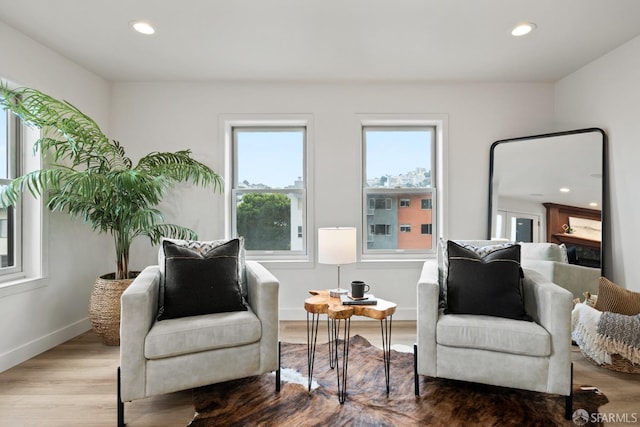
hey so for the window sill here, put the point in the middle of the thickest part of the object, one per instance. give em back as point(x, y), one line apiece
point(286, 263)
point(390, 263)
point(21, 284)
point(398, 257)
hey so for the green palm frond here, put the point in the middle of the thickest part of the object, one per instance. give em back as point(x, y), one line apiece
point(35, 182)
point(179, 167)
point(93, 179)
point(81, 134)
point(173, 231)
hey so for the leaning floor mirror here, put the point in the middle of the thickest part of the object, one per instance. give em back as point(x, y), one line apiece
point(549, 188)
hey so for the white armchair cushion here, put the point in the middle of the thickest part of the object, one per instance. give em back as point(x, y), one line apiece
point(173, 337)
point(493, 333)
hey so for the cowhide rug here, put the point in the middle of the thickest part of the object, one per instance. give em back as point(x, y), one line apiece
point(254, 402)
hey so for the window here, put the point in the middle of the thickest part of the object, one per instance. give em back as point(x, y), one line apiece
point(22, 238)
point(380, 203)
point(10, 223)
point(398, 168)
point(380, 229)
point(269, 197)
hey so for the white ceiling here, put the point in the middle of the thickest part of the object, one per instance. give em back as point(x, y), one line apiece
point(328, 40)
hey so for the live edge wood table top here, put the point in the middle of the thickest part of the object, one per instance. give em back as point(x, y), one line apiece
point(321, 303)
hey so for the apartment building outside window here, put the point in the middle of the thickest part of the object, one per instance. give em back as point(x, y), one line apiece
point(398, 188)
point(269, 196)
point(10, 217)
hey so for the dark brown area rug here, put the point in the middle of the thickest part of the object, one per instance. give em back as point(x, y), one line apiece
point(254, 402)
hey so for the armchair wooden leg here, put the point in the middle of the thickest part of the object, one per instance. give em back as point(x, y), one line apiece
point(568, 400)
point(279, 366)
point(416, 380)
point(120, 403)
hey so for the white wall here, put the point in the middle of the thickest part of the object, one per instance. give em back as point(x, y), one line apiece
point(36, 320)
point(605, 93)
point(170, 116)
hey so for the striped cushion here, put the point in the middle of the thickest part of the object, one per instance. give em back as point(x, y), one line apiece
point(617, 299)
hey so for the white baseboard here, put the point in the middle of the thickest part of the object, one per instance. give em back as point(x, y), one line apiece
point(32, 348)
point(298, 313)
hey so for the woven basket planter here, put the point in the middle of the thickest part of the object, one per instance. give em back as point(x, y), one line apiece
point(618, 364)
point(104, 307)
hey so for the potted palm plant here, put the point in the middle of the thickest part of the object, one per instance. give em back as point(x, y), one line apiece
point(89, 176)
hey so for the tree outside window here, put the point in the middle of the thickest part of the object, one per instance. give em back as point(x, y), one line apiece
point(269, 188)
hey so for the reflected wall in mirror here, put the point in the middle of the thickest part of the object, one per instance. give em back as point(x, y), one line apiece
point(549, 188)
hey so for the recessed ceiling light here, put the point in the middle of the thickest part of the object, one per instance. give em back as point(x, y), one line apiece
point(594, 204)
point(523, 28)
point(564, 190)
point(143, 27)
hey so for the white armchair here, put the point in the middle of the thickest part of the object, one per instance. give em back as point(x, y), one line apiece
point(547, 259)
point(158, 357)
point(499, 351)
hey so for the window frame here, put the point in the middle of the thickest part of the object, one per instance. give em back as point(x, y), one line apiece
point(35, 225)
point(438, 189)
point(270, 122)
point(14, 169)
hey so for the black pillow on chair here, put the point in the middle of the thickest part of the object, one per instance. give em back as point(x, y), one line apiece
point(196, 283)
point(485, 281)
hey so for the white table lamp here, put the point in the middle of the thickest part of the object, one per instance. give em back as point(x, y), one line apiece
point(337, 246)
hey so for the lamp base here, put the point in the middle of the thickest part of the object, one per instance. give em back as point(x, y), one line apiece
point(335, 293)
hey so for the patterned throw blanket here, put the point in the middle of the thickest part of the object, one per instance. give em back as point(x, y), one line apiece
point(584, 331)
point(620, 334)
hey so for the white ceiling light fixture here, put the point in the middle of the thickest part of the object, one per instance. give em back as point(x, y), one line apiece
point(143, 27)
point(564, 190)
point(522, 29)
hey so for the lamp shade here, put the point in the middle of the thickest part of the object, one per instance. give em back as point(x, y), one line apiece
point(337, 245)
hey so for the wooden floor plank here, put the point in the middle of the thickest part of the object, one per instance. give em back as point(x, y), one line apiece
point(74, 384)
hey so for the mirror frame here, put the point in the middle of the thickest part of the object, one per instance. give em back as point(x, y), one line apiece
point(604, 214)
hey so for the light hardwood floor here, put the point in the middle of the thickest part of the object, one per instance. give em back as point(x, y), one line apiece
point(74, 384)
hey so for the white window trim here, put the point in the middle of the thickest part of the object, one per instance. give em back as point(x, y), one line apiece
point(34, 229)
point(14, 169)
point(226, 124)
point(440, 122)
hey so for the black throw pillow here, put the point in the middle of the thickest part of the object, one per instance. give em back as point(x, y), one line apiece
point(485, 281)
point(196, 283)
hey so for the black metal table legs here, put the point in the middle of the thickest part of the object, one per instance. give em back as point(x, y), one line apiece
point(385, 328)
point(340, 348)
point(341, 372)
point(312, 336)
point(332, 346)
